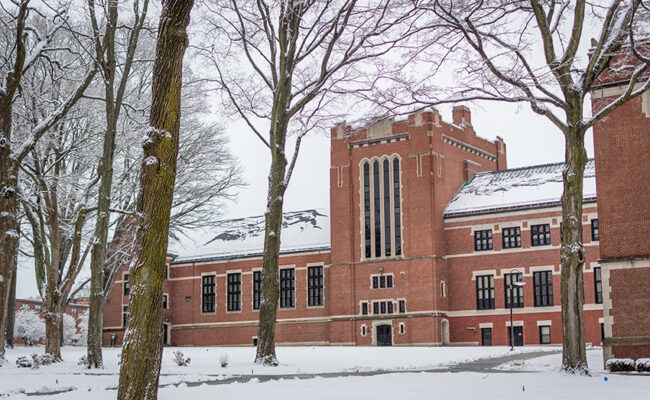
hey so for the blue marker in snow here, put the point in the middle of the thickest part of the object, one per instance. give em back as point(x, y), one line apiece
point(605, 379)
point(523, 388)
point(57, 381)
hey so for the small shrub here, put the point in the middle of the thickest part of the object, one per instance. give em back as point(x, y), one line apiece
point(180, 360)
point(620, 364)
point(24, 362)
point(223, 360)
point(46, 359)
point(83, 361)
point(643, 365)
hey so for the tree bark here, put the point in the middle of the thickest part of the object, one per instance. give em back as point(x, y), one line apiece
point(11, 306)
point(270, 260)
point(8, 218)
point(572, 254)
point(142, 350)
point(53, 319)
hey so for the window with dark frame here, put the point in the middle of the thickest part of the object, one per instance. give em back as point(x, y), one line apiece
point(208, 293)
point(401, 329)
point(377, 190)
point(383, 307)
point(598, 286)
point(315, 286)
point(382, 281)
point(375, 307)
point(166, 271)
point(511, 237)
point(545, 334)
point(164, 302)
point(483, 240)
point(364, 308)
point(125, 314)
point(514, 294)
point(366, 208)
point(543, 285)
point(257, 289)
point(127, 285)
point(485, 292)
point(402, 306)
point(594, 230)
point(390, 306)
point(540, 235)
point(287, 288)
point(234, 291)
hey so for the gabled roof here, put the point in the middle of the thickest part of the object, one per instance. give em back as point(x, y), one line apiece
point(519, 188)
point(307, 230)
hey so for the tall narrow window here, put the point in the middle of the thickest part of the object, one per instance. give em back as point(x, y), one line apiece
point(381, 208)
point(315, 286)
point(208, 292)
point(396, 201)
point(366, 208)
point(545, 334)
point(164, 302)
point(543, 283)
point(364, 308)
point(234, 292)
point(125, 314)
point(598, 285)
point(257, 289)
point(514, 294)
point(287, 288)
point(594, 230)
point(387, 235)
point(375, 174)
point(485, 292)
point(127, 285)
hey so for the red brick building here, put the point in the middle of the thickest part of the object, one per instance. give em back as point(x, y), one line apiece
point(622, 150)
point(425, 231)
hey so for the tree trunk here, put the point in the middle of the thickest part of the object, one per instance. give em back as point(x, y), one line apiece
point(53, 331)
point(98, 252)
point(8, 220)
point(11, 307)
point(572, 254)
point(142, 350)
point(270, 260)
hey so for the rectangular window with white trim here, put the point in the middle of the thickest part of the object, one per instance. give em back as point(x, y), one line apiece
point(543, 285)
point(485, 292)
point(540, 235)
point(483, 240)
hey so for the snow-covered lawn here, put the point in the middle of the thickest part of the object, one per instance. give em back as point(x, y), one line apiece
point(204, 367)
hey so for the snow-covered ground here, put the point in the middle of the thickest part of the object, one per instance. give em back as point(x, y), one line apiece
point(178, 381)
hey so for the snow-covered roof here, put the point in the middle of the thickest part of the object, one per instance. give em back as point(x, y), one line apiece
point(307, 230)
point(519, 188)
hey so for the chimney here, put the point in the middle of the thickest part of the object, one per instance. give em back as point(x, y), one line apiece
point(462, 116)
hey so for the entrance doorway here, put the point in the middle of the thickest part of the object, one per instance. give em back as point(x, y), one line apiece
point(384, 335)
point(519, 336)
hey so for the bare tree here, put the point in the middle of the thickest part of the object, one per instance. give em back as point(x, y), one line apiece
point(114, 66)
point(30, 34)
point(60, 177)
point(142, 350)
point(528, 51)
point(301, 58)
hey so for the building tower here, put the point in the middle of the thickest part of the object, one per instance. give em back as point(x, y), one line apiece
point(622, 153)
point(389, 185)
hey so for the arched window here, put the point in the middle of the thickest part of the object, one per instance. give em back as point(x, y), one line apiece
point(366, 207)
point(381, 208)
point(377, 205)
